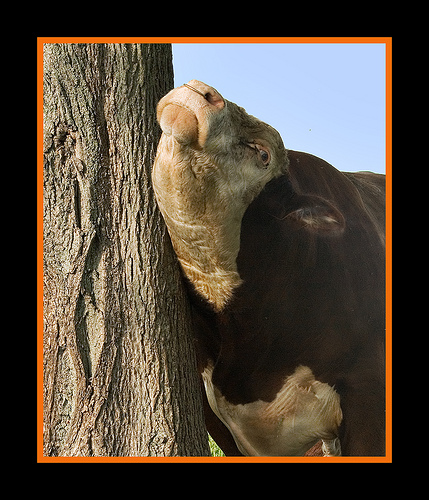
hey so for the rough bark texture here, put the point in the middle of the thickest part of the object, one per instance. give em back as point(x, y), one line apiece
point(119, 363)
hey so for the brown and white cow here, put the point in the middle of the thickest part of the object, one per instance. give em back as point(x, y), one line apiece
point(285, 257)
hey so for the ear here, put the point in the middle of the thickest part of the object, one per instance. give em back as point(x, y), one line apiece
point(317, 215)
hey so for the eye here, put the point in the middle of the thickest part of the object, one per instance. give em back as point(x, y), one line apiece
point(263, 152)
point(265, 156)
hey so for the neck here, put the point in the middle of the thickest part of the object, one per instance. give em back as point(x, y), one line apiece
point(208, 258)
point(216, 286)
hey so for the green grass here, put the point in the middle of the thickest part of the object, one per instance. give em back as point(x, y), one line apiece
point(214, 448)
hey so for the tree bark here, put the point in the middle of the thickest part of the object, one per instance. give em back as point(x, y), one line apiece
point(120, 375)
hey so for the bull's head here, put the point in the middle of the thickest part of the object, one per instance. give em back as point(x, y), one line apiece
point(213, 159)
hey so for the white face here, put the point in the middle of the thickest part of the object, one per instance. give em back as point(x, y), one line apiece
point(212, 155)
point(213, 159)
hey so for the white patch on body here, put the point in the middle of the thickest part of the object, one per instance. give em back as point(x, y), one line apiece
point(303, 412)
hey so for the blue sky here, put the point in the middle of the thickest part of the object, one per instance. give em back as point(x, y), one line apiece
point(324, 99)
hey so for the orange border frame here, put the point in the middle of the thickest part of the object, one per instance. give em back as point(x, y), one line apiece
point(379, 40)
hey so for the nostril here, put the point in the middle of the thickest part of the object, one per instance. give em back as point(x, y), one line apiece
point(214, 99)
point(212, 96)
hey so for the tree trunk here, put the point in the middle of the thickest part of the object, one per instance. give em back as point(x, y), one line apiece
point(120, 375)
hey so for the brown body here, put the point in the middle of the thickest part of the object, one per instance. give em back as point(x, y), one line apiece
point(290, 330)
